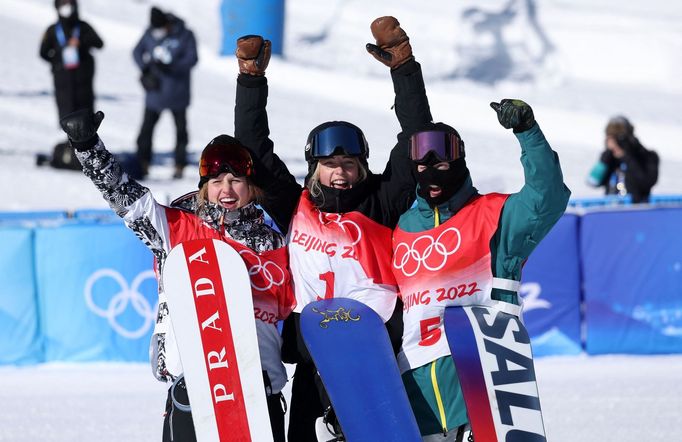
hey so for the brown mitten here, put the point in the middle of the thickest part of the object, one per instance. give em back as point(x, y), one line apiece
point(392, 46)
point(253, 54)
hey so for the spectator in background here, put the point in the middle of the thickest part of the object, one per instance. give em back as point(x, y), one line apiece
point(625, 167)
point(165, 54)
point(66, 46)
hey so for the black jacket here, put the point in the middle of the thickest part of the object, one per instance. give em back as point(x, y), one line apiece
point(381, 197)
point(73, 87)
point(641, 169)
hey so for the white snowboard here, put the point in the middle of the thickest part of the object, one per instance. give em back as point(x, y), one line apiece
point(210, 302)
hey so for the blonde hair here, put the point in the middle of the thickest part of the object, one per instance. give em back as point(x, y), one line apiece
point(256, 194)
point(314, 184)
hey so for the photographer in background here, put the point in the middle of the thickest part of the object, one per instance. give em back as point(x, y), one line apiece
point(625, 167)
point(165, 54)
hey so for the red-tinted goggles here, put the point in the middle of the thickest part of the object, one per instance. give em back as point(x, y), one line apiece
point(221, 158)
point(445, 146)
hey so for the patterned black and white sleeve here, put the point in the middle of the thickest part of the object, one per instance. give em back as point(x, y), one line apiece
point(129, 199)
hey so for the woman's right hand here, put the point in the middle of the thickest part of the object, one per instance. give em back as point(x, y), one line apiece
point(392, 46)
point(81, 128)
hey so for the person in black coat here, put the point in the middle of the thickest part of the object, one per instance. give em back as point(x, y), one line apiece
point(165, 54)
point(66, 46)
point(380, 197)
point(625, 167)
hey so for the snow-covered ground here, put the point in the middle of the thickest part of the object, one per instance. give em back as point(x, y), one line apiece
point(576, 62)
point(590, 399)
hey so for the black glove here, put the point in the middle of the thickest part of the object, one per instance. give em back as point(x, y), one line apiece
point(81, 128)
point(253, 54)
point(392, 46)
point(514, 114)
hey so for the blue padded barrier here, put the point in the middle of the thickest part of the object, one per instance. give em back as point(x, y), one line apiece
point(30, 219)
point(97, 293)
point(632, 280)
point(551, 291)
point(34, 215)
point(20, 341)
point(96, 216)
point(616, 200)
point(80, 286)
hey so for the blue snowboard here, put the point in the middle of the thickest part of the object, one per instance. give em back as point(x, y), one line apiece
point(352, 351)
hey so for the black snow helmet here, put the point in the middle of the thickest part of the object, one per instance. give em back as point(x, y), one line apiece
point(335, 138)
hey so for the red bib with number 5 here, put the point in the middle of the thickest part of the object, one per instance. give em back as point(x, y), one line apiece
point(447, 265)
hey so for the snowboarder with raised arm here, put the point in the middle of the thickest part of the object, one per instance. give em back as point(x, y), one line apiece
point(457, 246)
point(339, 224)
point(224, 208)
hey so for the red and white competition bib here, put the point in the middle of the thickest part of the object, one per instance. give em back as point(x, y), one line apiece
point(340, 255)
point(447, 265)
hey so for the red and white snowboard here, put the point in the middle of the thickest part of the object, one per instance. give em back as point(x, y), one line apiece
point(209, 297)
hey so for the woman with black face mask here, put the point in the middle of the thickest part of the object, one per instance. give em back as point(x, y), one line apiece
point(458, 246)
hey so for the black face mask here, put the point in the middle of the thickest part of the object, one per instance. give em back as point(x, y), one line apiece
point(450, 181)
point(333, 200)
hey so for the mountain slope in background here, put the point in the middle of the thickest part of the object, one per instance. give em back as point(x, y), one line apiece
point(575, 63)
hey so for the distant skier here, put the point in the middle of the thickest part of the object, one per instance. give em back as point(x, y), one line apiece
point(223, 208)
point(339, 225)
point(458, 246)
point(66, 45)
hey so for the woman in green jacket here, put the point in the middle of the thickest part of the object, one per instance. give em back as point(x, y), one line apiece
point(456, 243)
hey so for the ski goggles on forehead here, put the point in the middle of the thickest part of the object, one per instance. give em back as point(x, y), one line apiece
point(445, 146)
point(337, 140)
point(221, 158)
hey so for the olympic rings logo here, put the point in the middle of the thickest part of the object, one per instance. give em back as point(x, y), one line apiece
point(346, 225)
point(120, 301)
point(434, 253)
point(268, 271)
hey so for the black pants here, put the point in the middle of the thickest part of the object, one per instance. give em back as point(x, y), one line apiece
point(144, 139)
point(73, 90)
point(305, 406)
point(179, 427)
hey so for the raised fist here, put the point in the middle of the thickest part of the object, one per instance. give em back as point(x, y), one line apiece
point(253, 54)
point(514, 114)
point(81, 128)
point(392, 46)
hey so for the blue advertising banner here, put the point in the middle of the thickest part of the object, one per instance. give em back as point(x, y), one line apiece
point(97, 293)
point(20, 342)
point(550, 288)
point(632, 280)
